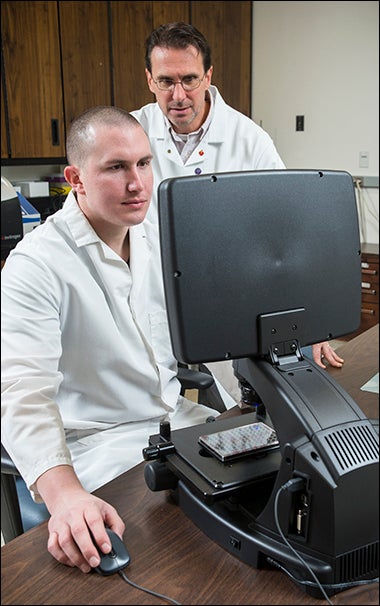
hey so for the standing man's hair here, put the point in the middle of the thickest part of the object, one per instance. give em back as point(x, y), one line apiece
point(178, 35)
point(81, 132)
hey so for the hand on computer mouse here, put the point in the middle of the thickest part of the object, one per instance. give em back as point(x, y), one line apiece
point(117, 559)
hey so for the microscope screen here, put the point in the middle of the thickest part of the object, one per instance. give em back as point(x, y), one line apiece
point(256, 258)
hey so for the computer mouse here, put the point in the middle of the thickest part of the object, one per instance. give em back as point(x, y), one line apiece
point(117, 559)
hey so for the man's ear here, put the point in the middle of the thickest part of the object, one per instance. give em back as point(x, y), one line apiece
point(149, 79)
point(72, 176)
point(209, 75)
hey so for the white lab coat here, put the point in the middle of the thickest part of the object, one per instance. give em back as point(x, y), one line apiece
point(233, 142)
point(87, 366)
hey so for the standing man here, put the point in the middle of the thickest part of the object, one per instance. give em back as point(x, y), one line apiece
point(191, 128)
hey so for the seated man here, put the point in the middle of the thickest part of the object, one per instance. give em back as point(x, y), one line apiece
point(88, 371)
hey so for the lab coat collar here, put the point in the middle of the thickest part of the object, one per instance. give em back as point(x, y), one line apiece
point(140, 241)
point(81, 230)
point(83, 234)
point(217, 130)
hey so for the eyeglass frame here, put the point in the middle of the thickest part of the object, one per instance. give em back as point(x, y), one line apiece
point(173, 84)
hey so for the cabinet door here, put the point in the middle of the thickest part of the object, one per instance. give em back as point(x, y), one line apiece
point(169, 12)
point(85, 49)
point(4, 139)
point(228, 29)
point(32, 73)
point(132, 22)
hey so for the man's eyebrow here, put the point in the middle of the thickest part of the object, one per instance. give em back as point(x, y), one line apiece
point(115, 161)
point(190, 75)
point(126, 161)
point(145, 158)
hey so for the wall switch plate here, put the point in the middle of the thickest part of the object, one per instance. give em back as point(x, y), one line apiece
point(363, 159)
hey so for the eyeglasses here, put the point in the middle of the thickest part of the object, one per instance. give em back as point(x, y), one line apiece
point(188, 83)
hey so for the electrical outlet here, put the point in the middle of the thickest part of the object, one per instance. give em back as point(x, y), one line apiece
point(366, 182)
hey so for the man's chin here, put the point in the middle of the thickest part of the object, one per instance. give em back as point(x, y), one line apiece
point(138, 216)
point(181, 122)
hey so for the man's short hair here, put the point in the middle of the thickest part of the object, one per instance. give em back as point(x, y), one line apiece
point(178, 35)
point(80, 135)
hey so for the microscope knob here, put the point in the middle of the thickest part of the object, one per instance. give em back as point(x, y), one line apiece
point(159, 477)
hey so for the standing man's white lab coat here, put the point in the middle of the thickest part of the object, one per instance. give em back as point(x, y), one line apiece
point(233, 142)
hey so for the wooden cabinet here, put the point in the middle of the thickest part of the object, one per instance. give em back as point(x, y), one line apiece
point(60, 58)
point(85, 52)
point(4, 136)
point(131, 24)
point(370, 286)
point(33, 83)
point(369, 289)
point(55, 66)
point(227, 27)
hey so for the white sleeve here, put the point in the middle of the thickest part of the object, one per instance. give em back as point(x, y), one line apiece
point(32, 429)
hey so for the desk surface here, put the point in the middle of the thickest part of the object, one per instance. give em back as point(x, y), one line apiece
point(169, 554)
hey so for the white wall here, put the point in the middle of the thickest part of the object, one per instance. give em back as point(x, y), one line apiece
point(320, 60)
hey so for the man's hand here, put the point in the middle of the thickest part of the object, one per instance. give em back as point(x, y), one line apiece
point(324, 351)
point(75, 516)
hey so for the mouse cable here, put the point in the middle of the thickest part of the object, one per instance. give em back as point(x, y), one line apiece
point(158, 595)
point(292, 485)
point(339, 586)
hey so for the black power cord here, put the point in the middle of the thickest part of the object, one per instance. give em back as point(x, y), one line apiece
point(293, 485)
point(334, 586)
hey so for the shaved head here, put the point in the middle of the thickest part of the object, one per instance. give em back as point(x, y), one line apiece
point(81, 135)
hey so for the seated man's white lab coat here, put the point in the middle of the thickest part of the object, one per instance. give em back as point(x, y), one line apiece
point(87, 366)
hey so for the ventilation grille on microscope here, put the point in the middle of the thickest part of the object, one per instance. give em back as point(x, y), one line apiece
point(358, 564)
point(353, 446)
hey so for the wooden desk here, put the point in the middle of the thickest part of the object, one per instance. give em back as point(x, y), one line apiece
point(169, 554)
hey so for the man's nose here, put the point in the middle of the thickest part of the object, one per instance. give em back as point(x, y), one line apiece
point(134, 182)
point(178, 91)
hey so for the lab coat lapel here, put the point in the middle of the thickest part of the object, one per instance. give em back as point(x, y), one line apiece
point(140, 254)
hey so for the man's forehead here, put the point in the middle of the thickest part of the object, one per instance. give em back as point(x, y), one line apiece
point(167, 55)
point(123, 142)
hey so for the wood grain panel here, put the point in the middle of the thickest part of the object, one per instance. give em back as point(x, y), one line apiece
point(4, 142)
point(33, 77)
point(169, 12)
point(132, 22)
point(228, 28)
point(85, 51)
